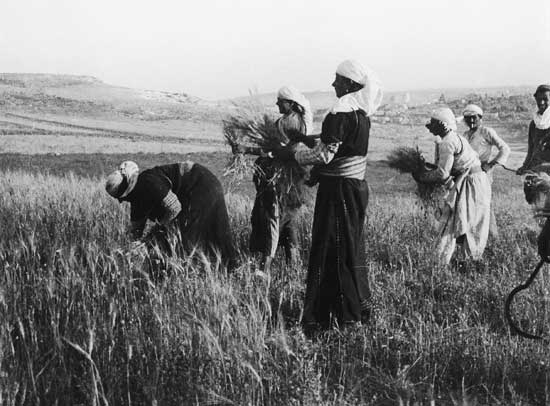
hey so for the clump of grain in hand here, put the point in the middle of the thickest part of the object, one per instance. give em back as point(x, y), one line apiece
point(406, 160)
point(251, 126)
point(410, 160)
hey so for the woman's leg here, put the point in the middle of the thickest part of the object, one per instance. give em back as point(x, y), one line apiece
point(289, 236)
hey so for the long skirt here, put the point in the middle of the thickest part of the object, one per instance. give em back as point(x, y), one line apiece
point(204, 221)
point(467, 216)
point(337, 285)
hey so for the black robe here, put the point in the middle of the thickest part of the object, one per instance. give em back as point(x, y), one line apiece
point(337, 285)
point(203, 221)
point(538, 147)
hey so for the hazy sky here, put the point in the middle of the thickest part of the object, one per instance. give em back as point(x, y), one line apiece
point(216, 49)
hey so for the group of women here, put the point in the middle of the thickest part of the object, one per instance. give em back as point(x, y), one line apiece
point(337, 291)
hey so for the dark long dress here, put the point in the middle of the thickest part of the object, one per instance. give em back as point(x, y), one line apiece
point(203, 221)
point(538, 148)
point(538, 160)
point(279, 195)
point(337, 285)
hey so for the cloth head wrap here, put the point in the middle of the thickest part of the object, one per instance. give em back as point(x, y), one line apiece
point(542, 121)
point(293, 94)
point(368, 98)
point(122, 181)
point(472, 110)
point(542, 89)
point(446, 116)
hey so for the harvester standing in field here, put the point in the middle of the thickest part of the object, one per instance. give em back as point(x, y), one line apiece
point(536, 166)
point(337, 285)
point(465, 211)
point(183, 194)
point(484, 140)
point(279, 196)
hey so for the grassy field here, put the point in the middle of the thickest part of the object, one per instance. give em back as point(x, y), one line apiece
point(80, 323)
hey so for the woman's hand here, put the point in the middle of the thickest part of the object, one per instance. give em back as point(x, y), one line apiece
point(487, 166)
point(283, 153)
point(313, 176)
point(238, 149)
point(308, 141)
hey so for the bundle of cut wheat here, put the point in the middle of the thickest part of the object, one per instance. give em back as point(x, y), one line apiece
point(411, 160)
point(407, 160)
point(252, 126)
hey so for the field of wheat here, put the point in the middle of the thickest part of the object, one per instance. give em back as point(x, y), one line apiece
point(81, 322)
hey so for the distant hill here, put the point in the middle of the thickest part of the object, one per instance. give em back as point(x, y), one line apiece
point(49, 93)
point(44, 113)
point(42, 80)
point(323, 99)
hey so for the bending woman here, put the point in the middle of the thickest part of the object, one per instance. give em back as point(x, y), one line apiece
point(278, 198)
point(184, 194)
point(337, 290)
point(465, 214)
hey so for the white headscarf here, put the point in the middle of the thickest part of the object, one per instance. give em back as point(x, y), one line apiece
point(368, 98)
point(446, 116)
point(293, 94)
point(542, 121)
point(472, 110)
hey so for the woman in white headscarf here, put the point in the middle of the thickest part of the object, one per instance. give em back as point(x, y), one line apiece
point(337, 287)
point(185, 195)
point(276, 204)
point(465, 211)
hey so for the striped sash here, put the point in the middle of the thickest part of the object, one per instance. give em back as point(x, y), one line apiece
point(354, 167)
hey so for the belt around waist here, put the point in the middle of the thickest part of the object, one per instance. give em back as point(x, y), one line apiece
point(348, 167)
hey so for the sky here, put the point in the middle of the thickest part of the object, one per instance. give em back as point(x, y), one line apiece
point(218, 49)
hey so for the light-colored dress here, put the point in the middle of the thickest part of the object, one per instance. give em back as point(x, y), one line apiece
point(484, 140)
point(465, 209)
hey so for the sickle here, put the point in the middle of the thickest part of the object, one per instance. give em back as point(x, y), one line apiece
point(510, 297)
point(507, 168)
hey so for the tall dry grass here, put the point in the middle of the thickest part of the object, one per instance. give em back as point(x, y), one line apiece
point(81, 323)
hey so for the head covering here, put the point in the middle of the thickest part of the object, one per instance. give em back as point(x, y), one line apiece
point(446, 116)
point(122, 181)
point(293, 94)
point(368, 98)
point(541, 89)
point(472, 110)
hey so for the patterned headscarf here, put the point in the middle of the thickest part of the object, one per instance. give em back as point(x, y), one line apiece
point(122, 181)
point(446, 116)
point(293, 94)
